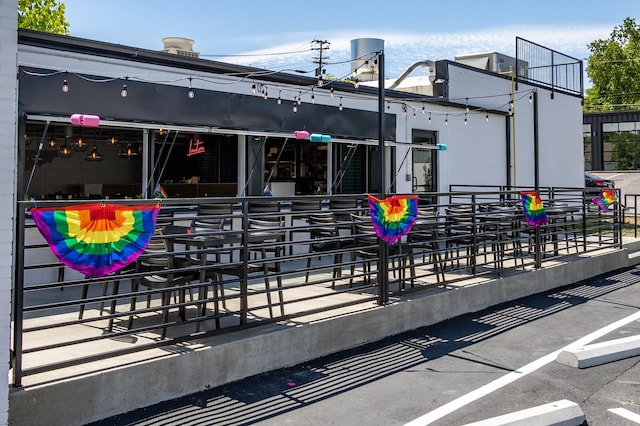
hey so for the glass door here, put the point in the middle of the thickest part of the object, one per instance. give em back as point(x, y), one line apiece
point(424, 161)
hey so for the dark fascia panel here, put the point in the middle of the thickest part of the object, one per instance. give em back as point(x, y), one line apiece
point(169, 105)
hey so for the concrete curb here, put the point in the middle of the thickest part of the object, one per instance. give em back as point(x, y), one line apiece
point(600, 353)
point(561, 412)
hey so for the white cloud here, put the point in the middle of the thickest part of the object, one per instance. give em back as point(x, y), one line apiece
point(403, 49)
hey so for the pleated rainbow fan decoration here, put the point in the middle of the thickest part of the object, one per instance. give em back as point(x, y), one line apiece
point(533, 208)
point(394, 216)
point(97, 239)
point(607, 198)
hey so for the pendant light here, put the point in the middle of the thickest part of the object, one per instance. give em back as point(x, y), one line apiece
point(128, 153)
point(80, 144)
point(65, 150)
point(94, 154)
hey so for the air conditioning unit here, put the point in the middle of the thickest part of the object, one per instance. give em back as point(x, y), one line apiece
point(494, 62)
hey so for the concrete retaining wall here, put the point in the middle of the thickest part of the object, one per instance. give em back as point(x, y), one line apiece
point(235, 356)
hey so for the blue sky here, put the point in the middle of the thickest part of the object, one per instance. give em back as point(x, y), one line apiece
point(282, 30)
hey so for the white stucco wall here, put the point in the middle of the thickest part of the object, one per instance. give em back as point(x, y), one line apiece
point(559, 125)
point(8, 161)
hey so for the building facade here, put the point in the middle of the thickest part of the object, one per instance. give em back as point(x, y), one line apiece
point(200, 128)
point(612, 140)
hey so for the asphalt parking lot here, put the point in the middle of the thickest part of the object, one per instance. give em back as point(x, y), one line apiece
point(468, 369)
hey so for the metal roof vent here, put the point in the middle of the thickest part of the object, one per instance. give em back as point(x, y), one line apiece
point(179, 46)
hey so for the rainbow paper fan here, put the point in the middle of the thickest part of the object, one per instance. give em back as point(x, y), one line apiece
point(533, 209)
point(96, 239)
point(394, 216)
point(607, 198)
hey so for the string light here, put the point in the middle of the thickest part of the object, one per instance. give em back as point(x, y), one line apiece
point(124, 92)
point(65, 84)
point(190, 93)
point(295, 107)
point(263, 88)
point(253, 88)
point(446, 120)
point(355, 83)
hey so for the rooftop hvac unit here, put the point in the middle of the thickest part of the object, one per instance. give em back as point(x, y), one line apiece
point(494, 62)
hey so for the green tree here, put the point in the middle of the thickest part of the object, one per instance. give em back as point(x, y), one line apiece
point(614, 68)
point(43, 15)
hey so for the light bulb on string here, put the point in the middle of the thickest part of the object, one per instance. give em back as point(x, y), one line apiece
point(356, 84)
point(299, 98)
point(340, 106)
point(331, 92)
point(65, 84)
point(486, 117)
point(423, 109)
point(190, 94)
point(313, 97)
point(265, 93)
point(253, 88)
point(531, 97)
point(429, 118)
point(279, 100)
point(465, 119)
point(124, 91)
point(446, 120)
point(295, 107)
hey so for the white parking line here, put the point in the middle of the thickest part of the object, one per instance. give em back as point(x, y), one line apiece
point(474, 395)
point(629, 415)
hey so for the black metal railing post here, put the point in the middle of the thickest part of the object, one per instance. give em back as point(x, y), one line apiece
point(244, 255)
point(18, 297)
point(383, 252)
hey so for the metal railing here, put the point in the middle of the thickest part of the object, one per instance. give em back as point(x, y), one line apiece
point(261, 260)
point(539, 64)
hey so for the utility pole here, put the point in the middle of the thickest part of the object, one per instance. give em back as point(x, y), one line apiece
point(320, 46)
